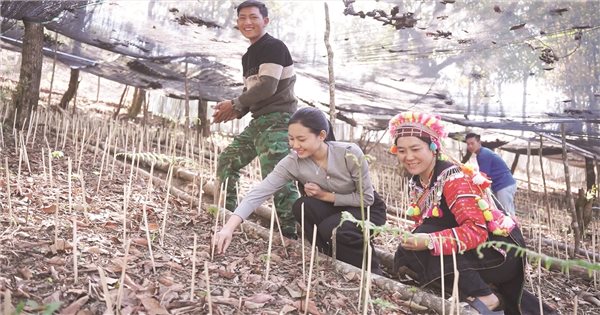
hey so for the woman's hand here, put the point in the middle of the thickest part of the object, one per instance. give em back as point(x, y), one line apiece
point(417, 241)
point(313, 190)
point(225, 235)
point(222, 240)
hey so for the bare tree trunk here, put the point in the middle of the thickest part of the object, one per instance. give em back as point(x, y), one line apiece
point(330, 67)
point(590, 175)
point(203, 118)
point(116, 114)
point(515, 162)
point(71, 90)
point(570, 201)
point(136, 104)
point(187, 102)
point(27, 93)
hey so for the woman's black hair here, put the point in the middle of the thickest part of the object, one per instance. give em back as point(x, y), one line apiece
point(314, 120)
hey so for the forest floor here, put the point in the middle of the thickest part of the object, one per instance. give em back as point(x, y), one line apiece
point(37, 273)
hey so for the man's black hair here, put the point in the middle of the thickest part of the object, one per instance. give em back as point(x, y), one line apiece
point(473, 135)
point(262, 8)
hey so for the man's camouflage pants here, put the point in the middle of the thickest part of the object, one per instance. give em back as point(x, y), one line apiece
point(265, 137)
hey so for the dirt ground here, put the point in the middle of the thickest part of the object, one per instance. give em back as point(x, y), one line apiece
point(37, 273)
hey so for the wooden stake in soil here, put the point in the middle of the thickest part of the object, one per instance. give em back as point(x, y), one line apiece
point(208, 298)
point(10, 211)
point(166, 208)
point(70, 170)
point(303, 247)
point(193, 267)
point(570, 201)
point(107, 298)
point(75, 270)
point(148, 237)
point(272, 226)
point(312, 260)
point(122, 279)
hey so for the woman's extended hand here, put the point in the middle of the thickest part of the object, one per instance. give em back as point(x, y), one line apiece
point(223, 239)
point(225, 235)
point(417, 241)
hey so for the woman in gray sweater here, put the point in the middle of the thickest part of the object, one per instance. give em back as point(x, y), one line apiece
point(333, 176)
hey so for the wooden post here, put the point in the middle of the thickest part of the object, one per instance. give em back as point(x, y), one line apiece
point(53, 68)
point(515, 163)
point(330, 67)
point(98, 90)
point(570, 201)
point(187, 102)
point(546, 201)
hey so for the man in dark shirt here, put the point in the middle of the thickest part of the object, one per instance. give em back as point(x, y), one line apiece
point(504, 185)
point(268, 94)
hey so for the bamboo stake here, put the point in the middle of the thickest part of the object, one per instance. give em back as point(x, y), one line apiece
point(19, 168)
point(37, 116)
point(271, 227)
point(66, 130)
point(75, 270)
point(368, 281)
point(165, 209)
point(81, 151)
point(546, 200)
point(212, 248)
point(442, 278)
point(193, 267)
point(208, 297)
point(148, 237)
point(10, 210)
point(107, 298)
point(122, 279)
point(44, 165)
point(455, 297)
point(312, 259)
point(2, 135)
point(25, 155)
point(98, 131)
point(102, 167)
point(125, 206)
point(570, 201)
point(303, 246)
point(70, 170)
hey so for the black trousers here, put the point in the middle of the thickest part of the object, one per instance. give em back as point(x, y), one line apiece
point(349, 237)
point(475, 273)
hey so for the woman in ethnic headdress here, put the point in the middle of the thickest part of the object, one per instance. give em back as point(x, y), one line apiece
point(453, 211)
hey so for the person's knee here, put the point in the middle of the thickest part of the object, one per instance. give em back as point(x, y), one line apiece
point(297, 207)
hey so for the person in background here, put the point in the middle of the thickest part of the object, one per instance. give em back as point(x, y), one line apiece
point(335, 177)
point(268, 94)
point(454, 213)
point(504, 185)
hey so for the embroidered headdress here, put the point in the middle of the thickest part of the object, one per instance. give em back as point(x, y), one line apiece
point(416, 124)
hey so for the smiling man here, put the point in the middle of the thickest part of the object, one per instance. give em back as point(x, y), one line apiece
point(268, 94)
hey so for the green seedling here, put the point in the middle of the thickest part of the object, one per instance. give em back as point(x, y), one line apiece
point(57, 154)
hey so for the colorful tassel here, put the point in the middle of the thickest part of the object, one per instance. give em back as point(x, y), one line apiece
point(435, 212)
point(483, 205)
point(487, 214)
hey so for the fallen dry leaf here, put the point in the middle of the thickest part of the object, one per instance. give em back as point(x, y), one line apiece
point(153, 307)
point(312, 307)
point(140, 241)
point(26, 273)
point(75, 306)
point(226, 273)
point(166, 281)
point(223, 300)
point(287, 309)
point(56, 261)
point(49, 209)
point(260, 298)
